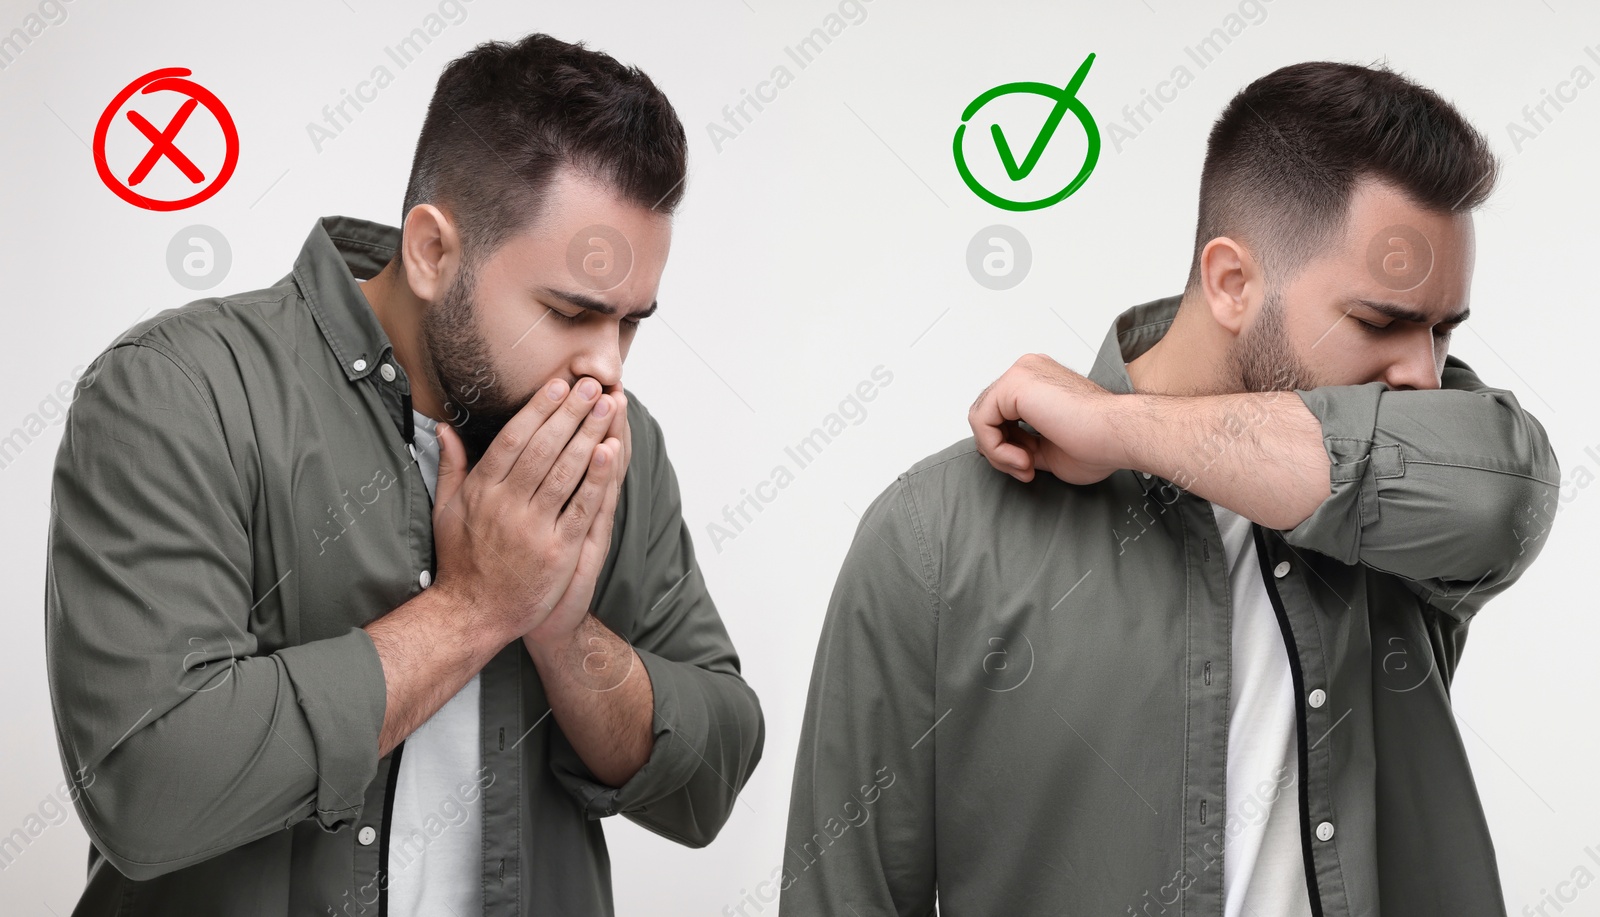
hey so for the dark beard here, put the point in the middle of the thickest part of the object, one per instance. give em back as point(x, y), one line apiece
point(1262, 359)
point(476, 403)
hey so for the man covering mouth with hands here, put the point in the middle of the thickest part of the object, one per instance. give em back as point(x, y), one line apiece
point(387, 539)
point(1177, 637)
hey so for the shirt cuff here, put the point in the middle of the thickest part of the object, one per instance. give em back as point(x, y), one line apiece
point(342, 692)
point(1349, 416)
point(681, 724)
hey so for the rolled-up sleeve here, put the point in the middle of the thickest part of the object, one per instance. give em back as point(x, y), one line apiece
point(184, 741)
point(708, 727)
point(860, 837)
point(1452, 489)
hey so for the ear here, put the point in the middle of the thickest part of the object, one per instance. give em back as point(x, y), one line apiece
point(432, 248)
point(1231, 282)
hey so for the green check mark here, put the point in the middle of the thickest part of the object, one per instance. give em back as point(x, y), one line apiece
point(1018, 173)
point(1065, 99)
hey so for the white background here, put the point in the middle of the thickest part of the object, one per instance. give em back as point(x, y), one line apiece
point(825, 239)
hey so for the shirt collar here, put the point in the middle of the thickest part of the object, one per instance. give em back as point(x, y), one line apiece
point(1135, 331)
point(340, 251)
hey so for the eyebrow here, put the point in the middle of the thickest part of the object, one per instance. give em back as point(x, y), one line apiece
point(1402, 313)
point(594, 305)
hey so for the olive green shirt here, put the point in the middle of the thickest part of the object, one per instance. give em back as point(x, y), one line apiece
point(1020, 698)
point(235, 495)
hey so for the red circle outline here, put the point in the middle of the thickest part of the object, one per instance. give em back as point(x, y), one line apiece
point(167, 78)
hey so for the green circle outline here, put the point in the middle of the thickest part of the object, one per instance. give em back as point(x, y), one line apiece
point(1074, 105)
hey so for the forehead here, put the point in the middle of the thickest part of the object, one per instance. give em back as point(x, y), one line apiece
point(1394, 250)
point(588, 238)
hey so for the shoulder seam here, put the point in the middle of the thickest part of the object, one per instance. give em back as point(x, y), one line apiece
point(216, 307)
point(190, 374)
point(911, 472)
point(930, 571)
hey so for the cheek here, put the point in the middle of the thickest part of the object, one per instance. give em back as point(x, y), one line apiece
point(1347, 356)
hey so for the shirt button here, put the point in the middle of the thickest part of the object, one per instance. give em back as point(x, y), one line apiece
point(1317, 697)
point(366, 836)
point(425, 579)
point(387, 372)
point(1281, 570)
point(359, 365)
point(1325, 831)
point(1145, 473)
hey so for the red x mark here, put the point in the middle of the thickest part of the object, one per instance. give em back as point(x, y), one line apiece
point(169, 79)
point(161, 145)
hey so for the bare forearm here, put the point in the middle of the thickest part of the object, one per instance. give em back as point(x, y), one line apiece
point(430, 649)
point(600, 695)
point(1258, 454)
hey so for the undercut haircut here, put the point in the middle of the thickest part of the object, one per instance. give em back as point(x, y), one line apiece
point(1287, 151)
point(506, 117)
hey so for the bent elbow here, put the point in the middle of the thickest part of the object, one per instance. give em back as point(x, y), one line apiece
point(131, 845)
point(138, 834)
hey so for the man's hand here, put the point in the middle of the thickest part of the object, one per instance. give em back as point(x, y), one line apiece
point(508, 544)
point(597, 686)
point(1075, 441)
point(562, 626)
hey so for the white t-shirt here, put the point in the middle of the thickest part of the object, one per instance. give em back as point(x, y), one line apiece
point(435, 828)
point(1263, 865)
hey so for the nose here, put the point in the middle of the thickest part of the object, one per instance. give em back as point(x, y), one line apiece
point(600, 358)
point(1418, 366)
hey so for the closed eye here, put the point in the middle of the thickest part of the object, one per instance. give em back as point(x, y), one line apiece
point(1368, 327)
point(578, 318)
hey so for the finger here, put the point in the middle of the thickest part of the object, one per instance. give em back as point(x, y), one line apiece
point(1027, 450)
point(622, 431)
point(519, 431)
point(986, 417)
point(544, 449)
point(452, 465)
point(557, 484)
point(1011, 459)
point(578, 587)
point(1021, 448)
point(573, 524)
point(578, 515)
point(598, 541)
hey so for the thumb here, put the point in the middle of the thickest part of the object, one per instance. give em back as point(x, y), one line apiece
point(452, 464)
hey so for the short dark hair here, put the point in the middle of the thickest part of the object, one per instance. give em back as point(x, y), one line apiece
point(505, 117)
point(1286, 152)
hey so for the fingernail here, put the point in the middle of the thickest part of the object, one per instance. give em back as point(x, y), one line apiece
point(603, 408)
point(557, 389)
point(588, 388)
